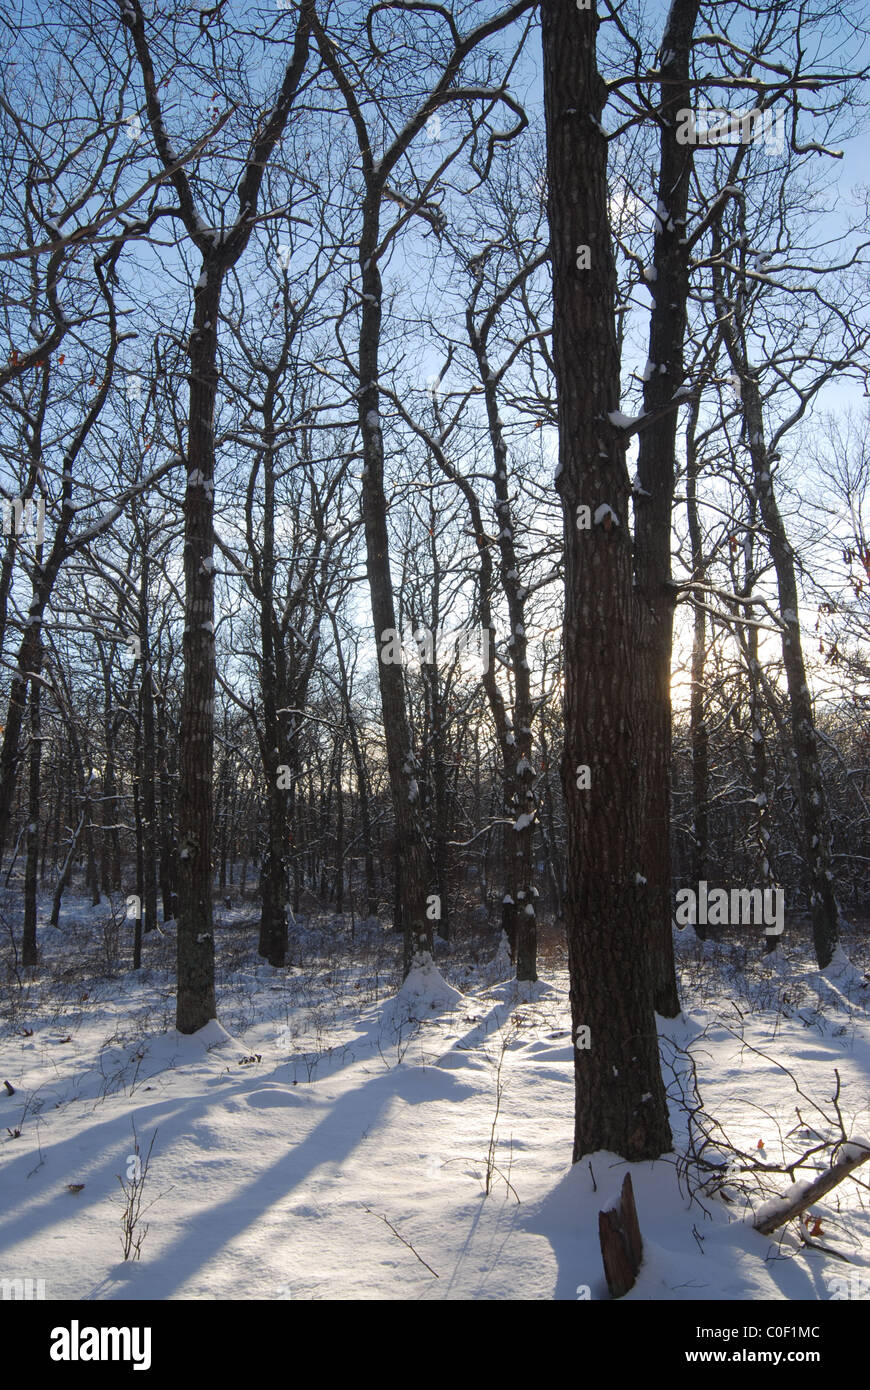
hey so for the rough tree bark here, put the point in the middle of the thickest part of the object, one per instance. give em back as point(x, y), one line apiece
point(654, 496)
point(273, 919)
point(620, 1099)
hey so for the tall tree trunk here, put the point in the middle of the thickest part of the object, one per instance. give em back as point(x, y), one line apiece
point(6, 568)
point(519, 911)
point(110, 844)
point(698, 697)
point(10, 751)
point(815, 819)
point(195, 934)
point(620, 1101)
point(365, 816)
point(168, 856)
point(435, 742)
point(519, 805)
point(273, 920)
point(29, 952)
point(758, 752)
point(654, 499)
point(66, 868)
point(92, 871)
point(110, 839)
point(140, 857)
point(339, 837)
point(64, 772)
point(76, 813)
point(555, 862)
point(151, 838)
point(759, 836)
point(404, 786)
point(45, 574)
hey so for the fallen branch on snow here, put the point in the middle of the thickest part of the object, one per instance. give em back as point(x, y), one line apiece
point(802, 1195)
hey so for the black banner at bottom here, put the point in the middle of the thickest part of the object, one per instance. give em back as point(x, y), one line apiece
point(147, 1339)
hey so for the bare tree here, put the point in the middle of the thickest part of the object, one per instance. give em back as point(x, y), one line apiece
point(619, 1093)
point(219, 251)
point(374, 243)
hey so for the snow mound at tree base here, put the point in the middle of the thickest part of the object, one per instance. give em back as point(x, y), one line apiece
point(841, 971)
point(212, 1035)
point(841, 980)
point(424, 992)
point(527, 991)
point(520, 991)
point(500, 967)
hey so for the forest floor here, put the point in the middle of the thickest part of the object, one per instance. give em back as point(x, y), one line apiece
point(332, 1138)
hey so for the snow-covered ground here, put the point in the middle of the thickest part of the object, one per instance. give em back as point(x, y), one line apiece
point(333, 1138)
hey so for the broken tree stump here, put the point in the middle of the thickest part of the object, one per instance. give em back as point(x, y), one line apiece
point(621, 1245)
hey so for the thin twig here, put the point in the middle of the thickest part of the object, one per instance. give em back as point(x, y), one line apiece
point(402, 1239)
